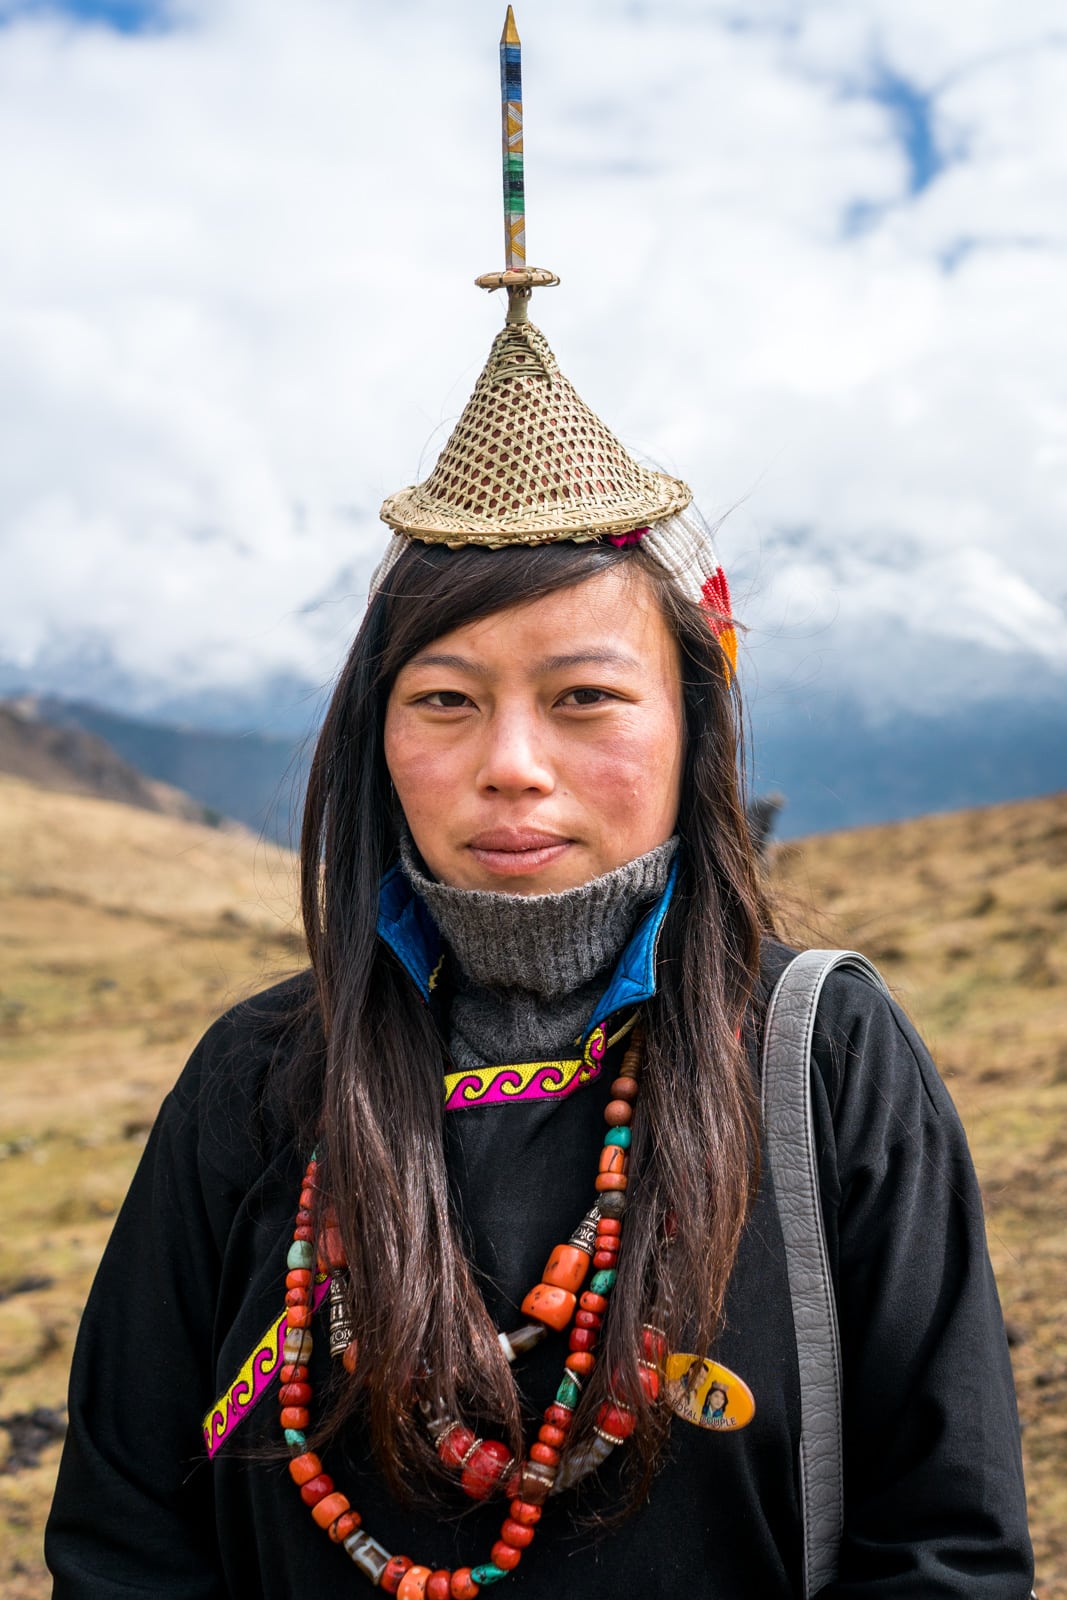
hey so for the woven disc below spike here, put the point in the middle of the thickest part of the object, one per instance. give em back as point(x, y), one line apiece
point(528, 462)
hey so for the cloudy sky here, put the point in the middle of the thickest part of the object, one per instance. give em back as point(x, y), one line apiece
point(814, 260)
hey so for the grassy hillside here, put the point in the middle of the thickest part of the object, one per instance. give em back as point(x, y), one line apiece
point(124, 933)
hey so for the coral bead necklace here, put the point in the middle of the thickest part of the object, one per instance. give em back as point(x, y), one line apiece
point(485, 1465)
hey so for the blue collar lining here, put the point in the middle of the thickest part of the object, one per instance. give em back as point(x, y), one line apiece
point(406, 926)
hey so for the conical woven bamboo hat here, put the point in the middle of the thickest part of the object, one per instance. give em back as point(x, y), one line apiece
point(529, 463)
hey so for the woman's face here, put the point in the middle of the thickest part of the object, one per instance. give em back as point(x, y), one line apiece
point(542, 746)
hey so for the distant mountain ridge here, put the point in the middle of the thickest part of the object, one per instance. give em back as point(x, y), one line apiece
point(835, 768)
point(72, 760)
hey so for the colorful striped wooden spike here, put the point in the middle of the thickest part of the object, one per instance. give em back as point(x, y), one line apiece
point(511, 125)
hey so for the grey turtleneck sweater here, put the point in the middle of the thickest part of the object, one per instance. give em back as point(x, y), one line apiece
point(532, 967)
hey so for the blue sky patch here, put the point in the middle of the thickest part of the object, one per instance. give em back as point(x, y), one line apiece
point(124, 16)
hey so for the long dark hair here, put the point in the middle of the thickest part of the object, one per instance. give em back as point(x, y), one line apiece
point(374, 1082)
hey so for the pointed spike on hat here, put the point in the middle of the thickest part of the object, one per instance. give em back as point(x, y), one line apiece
point(528, 462)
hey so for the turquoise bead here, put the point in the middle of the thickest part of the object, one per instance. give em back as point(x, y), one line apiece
point(301, 1255)
point(294, 1437)
point(602, 1282)
point(619, 1136)
point(567, 1394)
point(490, 1573)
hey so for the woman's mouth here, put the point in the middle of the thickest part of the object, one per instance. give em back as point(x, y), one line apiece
point(514, 852)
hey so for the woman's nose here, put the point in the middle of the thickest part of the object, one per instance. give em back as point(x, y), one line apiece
point(514, 758)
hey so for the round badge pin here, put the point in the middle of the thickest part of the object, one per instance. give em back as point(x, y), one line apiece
point(708, 1394)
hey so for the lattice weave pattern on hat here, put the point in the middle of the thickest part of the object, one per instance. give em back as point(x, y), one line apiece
point(529, 462)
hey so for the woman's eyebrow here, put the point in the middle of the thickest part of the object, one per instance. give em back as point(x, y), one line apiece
point(561, 663)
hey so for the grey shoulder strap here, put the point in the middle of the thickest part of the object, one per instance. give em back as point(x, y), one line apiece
point(787, 1116)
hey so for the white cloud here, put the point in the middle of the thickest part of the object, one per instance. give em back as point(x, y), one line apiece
point(236, 309)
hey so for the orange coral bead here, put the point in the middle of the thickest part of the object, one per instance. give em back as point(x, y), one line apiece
point(345, 1524)
point(594, 1302)
point(612, 1158)
point(505, 1555)
point(296, 1417)
point(293, 1373)
point(550, 1305)
point(463, 1585)
point(545, 1454)
point(581, 1361)
point(329, 1508)
point(412, 1585)
point(298, 1316)
point(608, 1225)
point(303, 1468)
point(298, 1278)
point(567, 1267)
point(611, 1180)
point(350, 1359)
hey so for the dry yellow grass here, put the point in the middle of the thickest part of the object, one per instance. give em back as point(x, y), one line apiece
point(124, 933)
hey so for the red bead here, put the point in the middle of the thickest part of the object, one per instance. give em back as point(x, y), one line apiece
point(307, 1198)
point(485, 1469)
point(311, 1493)
point(545, 1454)
point(298, 1278)
point(583, 1339)
point(293, 1373)
point(616, 1420)
point(463, 1585)
point(331, 1249)
point(505, 1555)
point(298, 1316)
point(453, 1445)
point(617, 1114)
point(351, 1356)
point(649, 1382)
point(304, 1235)
point(608, 1226)
point(439, 1585)
point(653, 1345)
point(605, 1259)
point(624, 1088)
point(610, 1180)
point(394, 1571)
point(304, 1217)
point(587, 1319)
point(346, 1523)
point(559, 1417)
point(524, 1511)
point(295, 1394)
point(516, 1534)
point(296, 1417)
point(581, 1361)
point(329, 1508)
point(594, 1302)
point(303, 1468)
point(556, 1437)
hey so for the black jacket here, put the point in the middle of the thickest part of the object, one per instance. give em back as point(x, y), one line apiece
point(195, 1268)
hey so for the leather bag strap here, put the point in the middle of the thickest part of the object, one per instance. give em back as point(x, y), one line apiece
point(790, 1138)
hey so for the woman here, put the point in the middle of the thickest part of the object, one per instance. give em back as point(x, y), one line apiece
point(527, 872)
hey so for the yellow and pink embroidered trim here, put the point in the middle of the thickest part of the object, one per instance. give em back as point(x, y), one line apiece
point(529, 1080)
point(253, 1380)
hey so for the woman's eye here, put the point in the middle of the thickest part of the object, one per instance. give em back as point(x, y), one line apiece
point(446, 699)
point(586, 697)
